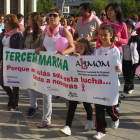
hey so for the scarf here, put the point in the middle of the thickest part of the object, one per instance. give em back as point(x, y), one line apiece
point(12, 32)
point(91, 18)
point(115, 23)
point(55, 31)
point(132, 34)
point(44, 24)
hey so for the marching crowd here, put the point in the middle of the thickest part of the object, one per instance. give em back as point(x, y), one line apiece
point(108, 34)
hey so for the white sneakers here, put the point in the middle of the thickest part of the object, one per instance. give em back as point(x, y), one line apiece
point(98, 135)
point(115, 125)
point(89, 125)
point(130, 91)
point(66, 130)
point(124, 94)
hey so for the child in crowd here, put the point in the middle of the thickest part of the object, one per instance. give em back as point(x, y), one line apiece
point(82, 47)
point(106, 35)
point(131, 55)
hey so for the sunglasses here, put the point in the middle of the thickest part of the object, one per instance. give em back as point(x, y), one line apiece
point(103, 14)
point(54, 15)
point(6, 21)
point(42, 16)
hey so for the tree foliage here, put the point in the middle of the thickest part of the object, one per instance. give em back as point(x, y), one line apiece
point(44, 5)
point(76, 11)
point(128, 7)
point(98, 6)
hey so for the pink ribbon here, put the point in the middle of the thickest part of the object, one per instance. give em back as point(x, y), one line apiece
point(83, 87)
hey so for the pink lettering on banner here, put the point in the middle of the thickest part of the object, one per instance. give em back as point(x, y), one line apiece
point(82, 65)
point(83, 87)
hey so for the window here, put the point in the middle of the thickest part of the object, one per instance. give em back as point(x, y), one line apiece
point(13, 7)
point(1, 6)
point(69, 0)
point(65, 10)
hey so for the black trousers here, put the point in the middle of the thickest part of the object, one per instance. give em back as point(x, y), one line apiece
point(13, 94)
point(100, 120)
point(72, 108)
point(128, 73)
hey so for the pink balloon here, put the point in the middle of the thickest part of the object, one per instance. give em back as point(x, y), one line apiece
point(138, 71)
point(61, 44)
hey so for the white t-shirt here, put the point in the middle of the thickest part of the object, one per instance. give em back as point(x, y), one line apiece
point(6, 41)
point(104, 50)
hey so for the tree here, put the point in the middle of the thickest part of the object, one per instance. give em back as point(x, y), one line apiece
point(128, 7)
point(98, 6)
point(44, 5)
point(75, 11)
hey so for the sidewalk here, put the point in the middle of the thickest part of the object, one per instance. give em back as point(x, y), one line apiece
point(14, 125)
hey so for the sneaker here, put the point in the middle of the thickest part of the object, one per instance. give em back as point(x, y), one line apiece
point(43, 124)
point(130, 91)
point(117, 109)
point(13, 108)
point(66, 130)
point(89, 125)
point(115, 124)
point(124, 94)
point(98, 135)
point(31, 113)
point(27, 112)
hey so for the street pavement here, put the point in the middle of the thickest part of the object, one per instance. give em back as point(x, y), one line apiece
point(15, 125)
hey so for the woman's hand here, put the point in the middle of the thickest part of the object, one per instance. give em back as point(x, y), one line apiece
point(117, 68)
point(59, 53)
point(76, 54)
point(116, 38)
point(37, 50)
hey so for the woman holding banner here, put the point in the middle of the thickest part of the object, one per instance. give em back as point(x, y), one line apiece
point(33, 38)
point(53, 32)
point(11, 37)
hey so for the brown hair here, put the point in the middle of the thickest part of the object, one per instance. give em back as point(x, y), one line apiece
point(56, 10)
point(73, 22)
point(36, 19)
point(12, 21)
point(88, 49)
point(134, 17)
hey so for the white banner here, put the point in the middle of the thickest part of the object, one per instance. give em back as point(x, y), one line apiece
point(85, 78)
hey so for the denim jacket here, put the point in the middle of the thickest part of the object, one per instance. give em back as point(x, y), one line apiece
point(16, 42)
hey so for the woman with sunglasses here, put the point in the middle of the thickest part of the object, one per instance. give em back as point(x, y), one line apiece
point(72, 22)
point(103, 17)
point(33, 38)
point(11, 37)
point(1, 23)
point(54, 31)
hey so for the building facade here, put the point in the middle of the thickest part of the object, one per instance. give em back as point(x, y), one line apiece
point(71, 4)
point(16, 6)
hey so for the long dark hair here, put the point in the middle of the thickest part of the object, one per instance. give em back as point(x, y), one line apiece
point(36, 19)
point(118, 11)
point(110, 29)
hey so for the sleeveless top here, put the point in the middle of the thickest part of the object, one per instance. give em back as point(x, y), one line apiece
point(49, 42)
